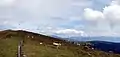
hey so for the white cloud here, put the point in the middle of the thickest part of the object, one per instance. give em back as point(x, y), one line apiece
point(92, 14)
point(66, 31)
point(110, 12)
point(70, 32)
point(108, 20)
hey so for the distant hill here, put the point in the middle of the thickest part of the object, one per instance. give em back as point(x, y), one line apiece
point(94, 38)
point(106, 46)
point(38, 45)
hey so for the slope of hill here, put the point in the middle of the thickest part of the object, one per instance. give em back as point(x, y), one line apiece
point(37, 45)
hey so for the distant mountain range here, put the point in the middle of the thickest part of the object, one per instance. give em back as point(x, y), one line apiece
point(96, 38)
point(106, 46)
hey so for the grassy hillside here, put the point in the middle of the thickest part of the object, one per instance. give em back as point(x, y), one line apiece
point(9, 41)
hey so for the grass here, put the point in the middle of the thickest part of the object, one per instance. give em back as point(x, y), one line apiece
point(37, 50)
point(8, 47)
point(34, 49)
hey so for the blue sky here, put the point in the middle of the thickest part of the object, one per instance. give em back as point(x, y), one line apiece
point(69, 17)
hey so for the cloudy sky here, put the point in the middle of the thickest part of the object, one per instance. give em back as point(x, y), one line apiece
point(68, 17)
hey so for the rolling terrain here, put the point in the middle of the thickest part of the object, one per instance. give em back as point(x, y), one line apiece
point(21, 43)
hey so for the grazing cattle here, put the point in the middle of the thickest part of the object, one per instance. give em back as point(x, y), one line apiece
point(24, 56)
point(86, 47)
point(41, 43)
point(92, 48)
point(56, 44)
point(32, 36)
point(28, 36)
point(78, 44)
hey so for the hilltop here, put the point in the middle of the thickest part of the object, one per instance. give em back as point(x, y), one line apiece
point(38, 45)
